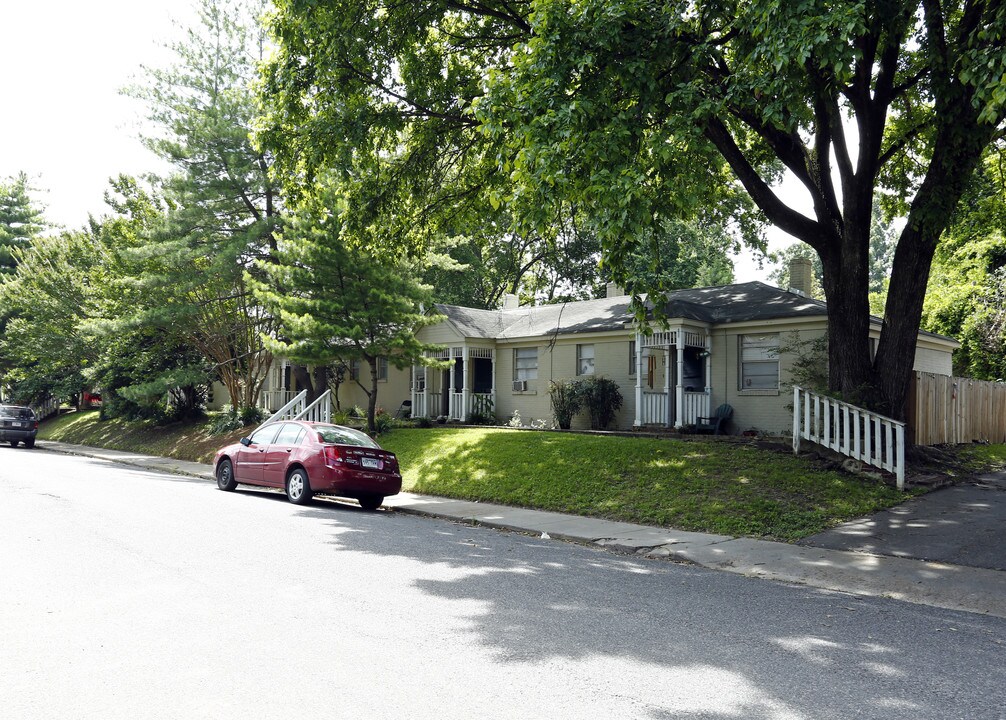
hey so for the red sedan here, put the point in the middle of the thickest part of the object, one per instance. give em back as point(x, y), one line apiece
point(306, 458)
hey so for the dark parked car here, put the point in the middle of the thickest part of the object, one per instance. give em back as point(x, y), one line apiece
point(307, 459)
point(18, 424)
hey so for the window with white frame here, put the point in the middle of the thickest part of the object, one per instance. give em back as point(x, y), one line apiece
point(382, 369)
point(584, 359)
point(525, 363)
point(759, 362)
point(632, 357)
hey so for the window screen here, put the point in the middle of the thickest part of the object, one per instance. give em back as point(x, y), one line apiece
point(759, 362)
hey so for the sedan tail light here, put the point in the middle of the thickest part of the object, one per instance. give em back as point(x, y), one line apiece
point(333, 454)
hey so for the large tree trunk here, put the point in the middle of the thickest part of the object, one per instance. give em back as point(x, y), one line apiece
point(846, 275)
point(314, 381)
point(954, 160)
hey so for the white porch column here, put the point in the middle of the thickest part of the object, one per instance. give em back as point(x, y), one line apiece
point(413, 397)
point(709, 365)
point(427, 388)
point(466, 393)
point(679, 395)
point(492, 391)
point(668, 419)
point(638, 421)
point(451, 409)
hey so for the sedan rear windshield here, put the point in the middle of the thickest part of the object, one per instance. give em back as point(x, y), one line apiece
point(344, 436)
point(11, 411)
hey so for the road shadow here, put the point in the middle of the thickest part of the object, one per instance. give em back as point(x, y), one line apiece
point(699, 643)
point(960, 525)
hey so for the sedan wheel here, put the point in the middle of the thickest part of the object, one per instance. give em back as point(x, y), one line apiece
point(298, 489)
point(13, 443)
point(371, 502)
point(29, 443)
point(225, 475)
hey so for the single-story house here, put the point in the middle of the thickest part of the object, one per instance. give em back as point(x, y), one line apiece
point(719, 345)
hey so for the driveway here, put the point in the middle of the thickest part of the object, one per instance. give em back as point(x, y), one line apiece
point(960, 525)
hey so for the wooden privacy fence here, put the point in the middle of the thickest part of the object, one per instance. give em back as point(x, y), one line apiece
point(952, 410)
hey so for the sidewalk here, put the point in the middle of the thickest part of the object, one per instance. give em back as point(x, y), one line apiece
point(942, 585)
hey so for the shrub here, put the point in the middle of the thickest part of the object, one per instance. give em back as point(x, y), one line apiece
point(229, 419)
point(226, 421)
point(383, 423)
point(602, 399)
point(566, 401)
point(422, 422)
point(251, 415)
point(482, 411)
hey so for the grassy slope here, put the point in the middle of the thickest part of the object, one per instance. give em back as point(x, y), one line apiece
point(722, 487)
point(184, 441)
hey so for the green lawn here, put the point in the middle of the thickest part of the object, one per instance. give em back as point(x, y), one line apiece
point(733, 488)
point(722, 487)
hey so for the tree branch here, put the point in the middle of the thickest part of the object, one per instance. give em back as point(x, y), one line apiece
point(780, 214)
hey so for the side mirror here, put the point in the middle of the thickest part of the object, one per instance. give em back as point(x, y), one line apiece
point(245, 441)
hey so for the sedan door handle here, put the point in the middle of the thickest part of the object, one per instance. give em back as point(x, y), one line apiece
point(289, 449)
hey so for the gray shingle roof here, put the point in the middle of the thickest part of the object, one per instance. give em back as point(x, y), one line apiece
point(742, 302)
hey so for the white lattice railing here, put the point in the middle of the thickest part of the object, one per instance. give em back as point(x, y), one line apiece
point(457, 407)
point(276, 398)
point(695, 405)
point(419, 405)
point(654, 408)
point(849, 430)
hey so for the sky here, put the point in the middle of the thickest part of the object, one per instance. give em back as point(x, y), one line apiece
point(63, 119)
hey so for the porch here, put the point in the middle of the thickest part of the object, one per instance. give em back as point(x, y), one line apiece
point(466, 388)
point(685, 391)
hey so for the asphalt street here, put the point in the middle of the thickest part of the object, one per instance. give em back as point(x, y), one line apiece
point(127, 593)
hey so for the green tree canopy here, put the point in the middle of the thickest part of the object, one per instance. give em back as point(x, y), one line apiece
point(618, 104)
point(336, 300)
point(21, 218)
point(967, 287)
point(222, 208)
point(383, 94)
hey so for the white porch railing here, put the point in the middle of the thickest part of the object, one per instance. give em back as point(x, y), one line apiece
point(849, 430)
point(290, 410)
point(419, 405)
point(298, 409)
point(457, 406)
point(47, 407)
point(694, 406)
point(276, 398)
point(318, 411)
point(654, 408)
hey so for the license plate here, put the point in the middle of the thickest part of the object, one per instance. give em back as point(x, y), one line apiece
point(372, 463)
point(17, 424)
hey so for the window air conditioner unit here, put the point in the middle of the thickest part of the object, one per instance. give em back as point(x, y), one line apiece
point(519, 385)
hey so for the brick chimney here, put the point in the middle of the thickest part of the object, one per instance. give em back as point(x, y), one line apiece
point(801, 275)
point(510, 301)
point(614, 290)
